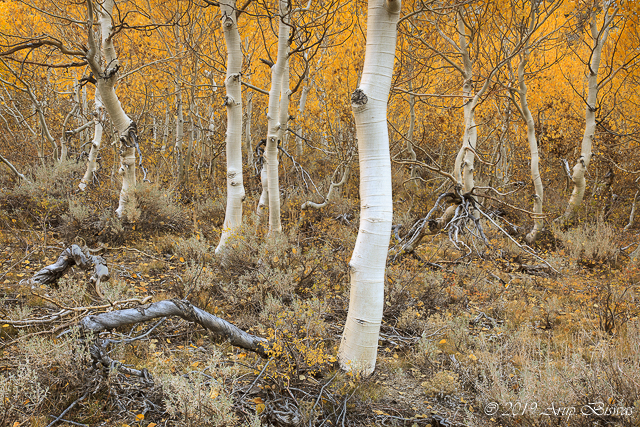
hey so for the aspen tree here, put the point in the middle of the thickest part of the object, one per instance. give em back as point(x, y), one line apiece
point(273, 123)
point(106, 79)
point(359, 344)
point(233, 101)
point(599, 37)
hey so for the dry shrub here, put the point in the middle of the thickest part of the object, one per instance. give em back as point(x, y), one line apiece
point(199, 399)
point(81, 221)
point(45, 197)
point(590, 243)
point(45, 371)
point(157, 210)
point(442, 383)
point(592, 373)
point(212, 210)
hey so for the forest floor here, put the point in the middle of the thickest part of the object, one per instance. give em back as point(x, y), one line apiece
point(502, 339)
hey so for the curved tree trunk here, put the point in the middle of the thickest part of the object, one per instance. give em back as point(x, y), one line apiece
point(235, 186)
point(106, 80)
point(359, 344)
point(579, 170)
point(538, 198)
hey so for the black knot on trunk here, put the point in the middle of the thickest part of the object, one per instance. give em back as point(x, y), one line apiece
point(358, 97)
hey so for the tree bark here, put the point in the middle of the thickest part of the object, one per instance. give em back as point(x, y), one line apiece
point(359, 344)
point(599, 37)
point(233, 101)
point(92, 165)
point(106, 80)
point(273, 125)
point(183, 309)
point(71, 256)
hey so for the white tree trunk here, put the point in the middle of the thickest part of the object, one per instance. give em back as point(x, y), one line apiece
point(284, 106)
point(599, 37)
point(235, 186)
point(92, 165)
point(359, 344)
point(247, 129)
point(463, 170)
point(273, 125)
point(264, 196)
point(106, 80)
point(179, 125)
point(538, 198)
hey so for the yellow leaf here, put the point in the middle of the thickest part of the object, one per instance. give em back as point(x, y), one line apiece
point(442, 341)
point(139, 417)
point(214, 393)
point(473, 357)
point(181, 259)
point(5, 325)
point(152, 425)
point(168, 340)
point(260, 408)
point(294, 250)
point(257, 400)
point(276, 259)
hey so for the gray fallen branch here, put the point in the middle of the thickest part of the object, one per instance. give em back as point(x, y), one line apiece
point(183, 309)
point(71, 256)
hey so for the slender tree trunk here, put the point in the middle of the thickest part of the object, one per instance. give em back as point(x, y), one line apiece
point(92, 165)
point(247, 130)
point(13, 168)
point(579, 170)
point(359, 344)
point(412, 122)
point(273, 125)
point(106, 80)
point(301, 107)
point(538, 198)
point(233, 101)
point(179, 125)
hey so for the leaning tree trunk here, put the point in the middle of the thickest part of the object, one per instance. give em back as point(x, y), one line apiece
point(106, 80)
point(580, 168)
point(92, 165)
point(273, 114)
point(359, 344)
point(235, 187)
point(538, 198)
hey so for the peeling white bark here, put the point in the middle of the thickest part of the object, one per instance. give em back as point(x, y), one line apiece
point(235, 185)
point(359, 344)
